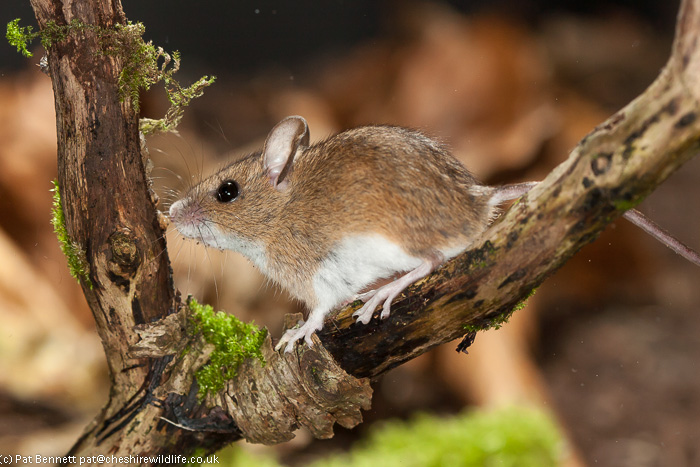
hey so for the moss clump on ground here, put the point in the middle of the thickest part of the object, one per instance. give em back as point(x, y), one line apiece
point(77, 264)
point(143, 64)
point(507, 437)
point(233, 341)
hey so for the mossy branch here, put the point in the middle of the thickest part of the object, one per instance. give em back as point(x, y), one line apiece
point(74, 253)
point(234, 341)
point(179, 98)
point(143, 64)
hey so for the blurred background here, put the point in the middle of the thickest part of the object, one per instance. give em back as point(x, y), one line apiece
point(608, 346)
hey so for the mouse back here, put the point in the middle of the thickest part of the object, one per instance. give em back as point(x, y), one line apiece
point(393, 181)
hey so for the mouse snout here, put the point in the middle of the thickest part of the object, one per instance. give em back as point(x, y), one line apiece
point(176, 208)
point(187, 217)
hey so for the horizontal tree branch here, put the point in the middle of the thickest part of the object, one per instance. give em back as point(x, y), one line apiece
point(610, 171)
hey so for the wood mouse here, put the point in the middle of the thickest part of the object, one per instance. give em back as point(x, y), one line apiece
point(329, 220)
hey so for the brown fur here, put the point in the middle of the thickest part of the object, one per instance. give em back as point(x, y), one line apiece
point(375, 179)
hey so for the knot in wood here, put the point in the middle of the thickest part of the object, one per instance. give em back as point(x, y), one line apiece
point(125, 254)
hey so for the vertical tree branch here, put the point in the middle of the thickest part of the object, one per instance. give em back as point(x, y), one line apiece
point(154, 408)
point(109, 211)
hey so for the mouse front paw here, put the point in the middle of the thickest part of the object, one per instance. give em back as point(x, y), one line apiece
point(291, 336)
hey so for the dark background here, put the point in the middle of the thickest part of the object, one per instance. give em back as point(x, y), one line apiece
point(233, 37)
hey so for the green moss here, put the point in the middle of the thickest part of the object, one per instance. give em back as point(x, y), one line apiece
point(623, 205)
point(505, 437)
point(143, 64)
point(179, 98)
point(233, 341)
point(77, 264)
point(508, 437)
point(53, 33)
point(523, 302)
point(484, 324)
point(481, 257)
point(20, 37)
point(499, 320)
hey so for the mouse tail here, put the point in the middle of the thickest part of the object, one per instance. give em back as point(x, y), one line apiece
point(505, 193)
point(653, 229)
point(509, 192)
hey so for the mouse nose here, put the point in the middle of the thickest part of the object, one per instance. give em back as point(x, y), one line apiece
point(187, 218)
point(175, 207)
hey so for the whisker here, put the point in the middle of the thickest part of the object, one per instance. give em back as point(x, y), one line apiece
point(219, 129)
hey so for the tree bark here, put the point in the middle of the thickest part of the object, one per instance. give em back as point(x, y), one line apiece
point(111, 214)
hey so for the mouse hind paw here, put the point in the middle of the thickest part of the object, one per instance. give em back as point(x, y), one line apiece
point(388, 292)
point(364, 314)
point(386, 295)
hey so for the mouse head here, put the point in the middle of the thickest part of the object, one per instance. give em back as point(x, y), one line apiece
point(244, 200)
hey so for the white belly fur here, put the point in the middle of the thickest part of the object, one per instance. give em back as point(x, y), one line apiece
point(357, 262)
point(352, 265)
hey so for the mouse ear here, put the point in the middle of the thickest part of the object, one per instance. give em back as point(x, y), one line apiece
point(280, 147)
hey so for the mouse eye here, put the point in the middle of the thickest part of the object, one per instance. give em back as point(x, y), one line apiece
point(227, 191)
